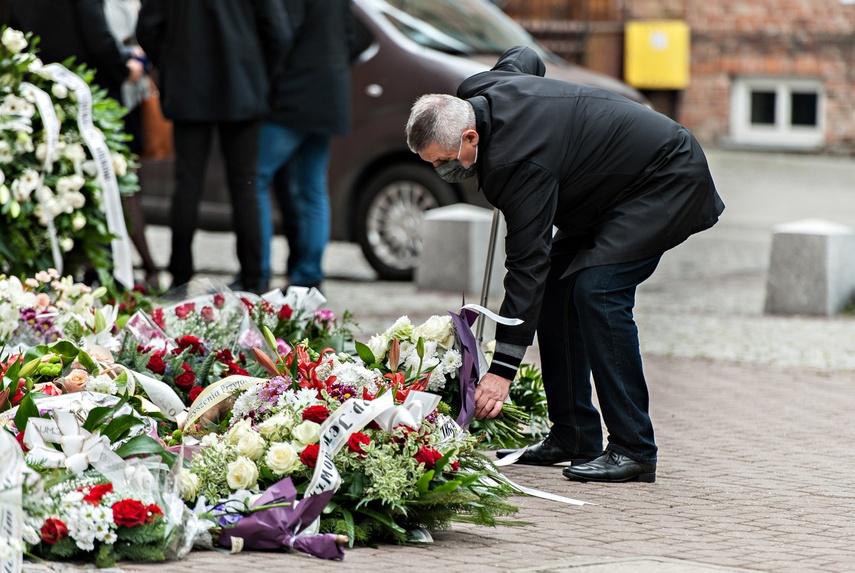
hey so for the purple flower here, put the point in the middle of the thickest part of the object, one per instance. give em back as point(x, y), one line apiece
point(282, 347)
point(274, 388)
point(342, 392)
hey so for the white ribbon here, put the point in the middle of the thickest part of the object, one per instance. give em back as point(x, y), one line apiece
point(492, 315)
point(112, 201)
point(11, 511)
point(51, 126)
point(162, 395)
point(80, 448)
point(411, 413)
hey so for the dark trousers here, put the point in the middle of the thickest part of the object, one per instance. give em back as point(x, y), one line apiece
point(239, 146)
point(586, 327)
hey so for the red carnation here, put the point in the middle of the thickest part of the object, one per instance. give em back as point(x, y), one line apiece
point(156, 363)
point(186, 379)
point(96, 492)
point(54, 530)
point(309, 456)
point(285, 313)
point(428, 456)
point(356, 441)
point(129, 513)
point(317, 413)
point(153, 513)
point(194, 393)
point(219, 300)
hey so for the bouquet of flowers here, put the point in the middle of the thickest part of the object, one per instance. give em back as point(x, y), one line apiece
point(51, 186)
point(407, 466)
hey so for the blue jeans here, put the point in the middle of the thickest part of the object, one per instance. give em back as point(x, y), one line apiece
point(586, 327)
point(307, 156)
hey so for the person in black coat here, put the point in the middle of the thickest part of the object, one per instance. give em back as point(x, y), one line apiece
point(309, 103)
point(214, 58)
point(622, 184)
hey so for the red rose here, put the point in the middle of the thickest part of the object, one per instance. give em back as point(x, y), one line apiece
point(455, 466)
point(53, 530)
point(317, 413)
point(234, 369)
point(356, 441)
point(194, 393)
point(185, 309)
point(309, 456)
point(207, 313)
point(193, 343)
point(129, 513)
point(428, 456)
point(187, 378)
point(219, 300)
point(153, 513)
point(285, 313)
point(96, 492)
point(156, 363)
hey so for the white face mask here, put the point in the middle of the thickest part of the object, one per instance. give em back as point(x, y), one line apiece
point(452, 171)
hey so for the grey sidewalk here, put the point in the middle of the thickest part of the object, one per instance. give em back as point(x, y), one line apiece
point(753, 413)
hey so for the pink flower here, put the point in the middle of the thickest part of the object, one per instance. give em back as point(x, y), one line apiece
point(207, 313)
point(219, 300)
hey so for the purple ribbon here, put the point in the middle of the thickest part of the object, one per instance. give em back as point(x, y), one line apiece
point(469, 374)
point(278, 527)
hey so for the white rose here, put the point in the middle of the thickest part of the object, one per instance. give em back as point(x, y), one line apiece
point(238, 430)
point(437, 328)
point(13, 40)
point(188, 485)
point(59, 91)
point(378, 345)
point(307, 432)
point(276, 427)
point(281, 458)
point(250, 445)
point(66, 244)
point(242, 474)
point(120, 164)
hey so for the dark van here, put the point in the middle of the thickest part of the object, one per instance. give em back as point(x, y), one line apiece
point(379, 190)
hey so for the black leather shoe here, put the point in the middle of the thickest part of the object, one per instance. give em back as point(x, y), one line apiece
point(546, 452)
point(612, 467)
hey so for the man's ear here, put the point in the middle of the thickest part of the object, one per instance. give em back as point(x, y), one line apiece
point(471, 136)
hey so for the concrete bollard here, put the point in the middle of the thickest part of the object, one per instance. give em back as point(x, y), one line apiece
point(454, 251)
point(811, 269)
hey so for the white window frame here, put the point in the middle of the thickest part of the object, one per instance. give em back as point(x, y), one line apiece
point(781, 133)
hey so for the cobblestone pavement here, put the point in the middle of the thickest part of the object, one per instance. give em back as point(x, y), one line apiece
point(753, 413)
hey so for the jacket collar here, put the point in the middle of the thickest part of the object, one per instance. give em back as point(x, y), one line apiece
point(482, 118)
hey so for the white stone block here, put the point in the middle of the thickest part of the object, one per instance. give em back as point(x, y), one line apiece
point(454, 251)
point(811, 269)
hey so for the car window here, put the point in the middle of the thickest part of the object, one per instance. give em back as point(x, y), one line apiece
point(457, 26)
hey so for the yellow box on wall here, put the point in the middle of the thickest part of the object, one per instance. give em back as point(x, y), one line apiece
point(656, 54)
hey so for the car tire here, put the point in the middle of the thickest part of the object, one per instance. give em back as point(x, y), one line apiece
point(390, 213)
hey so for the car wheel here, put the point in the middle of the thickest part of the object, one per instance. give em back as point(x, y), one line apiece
point(390, 215)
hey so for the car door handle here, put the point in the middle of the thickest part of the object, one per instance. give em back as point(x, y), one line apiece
point(373, 90)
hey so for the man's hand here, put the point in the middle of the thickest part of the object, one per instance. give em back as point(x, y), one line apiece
point(490, 394)
point(135, 70)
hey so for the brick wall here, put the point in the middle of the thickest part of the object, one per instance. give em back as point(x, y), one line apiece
point(776, 38)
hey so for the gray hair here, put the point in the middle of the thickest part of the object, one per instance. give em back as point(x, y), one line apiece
point(438, 118)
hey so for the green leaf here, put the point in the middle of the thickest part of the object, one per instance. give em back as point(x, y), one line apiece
point(384, 519)
point(349, 525)
point(119, 427)
point(424, 481)
point(26, 409)
point(145, 445)
point(364, 353)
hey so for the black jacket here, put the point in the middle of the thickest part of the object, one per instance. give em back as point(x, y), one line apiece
point(214, 57)
point(624, 181)
point(72, 28)
point(312, 93)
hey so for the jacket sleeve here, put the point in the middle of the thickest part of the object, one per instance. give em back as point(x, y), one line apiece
point(152, 29)
point(526, 194)
point(100, 42)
